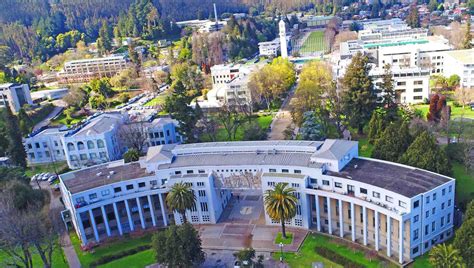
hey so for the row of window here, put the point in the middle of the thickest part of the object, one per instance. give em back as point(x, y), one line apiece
point(45, 145)
point(81, 146)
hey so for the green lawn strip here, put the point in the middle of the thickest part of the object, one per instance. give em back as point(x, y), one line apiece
point(59, 167)
point(138, 260)
point(58, 259)
point(455, 111)
point(314, 42)
point(61, 120)
point(421, 262)
point(125, 243)
point(365, 148)
point(307, 255)
point(286, 241)
point(464, 183)
point(159, 100)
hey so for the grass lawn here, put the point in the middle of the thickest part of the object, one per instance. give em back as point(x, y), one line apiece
point(455, 111)
point(314, 43)
point(60, 167)
point(125, 243)
point(286, 241)
point(263, 120)
point(464, 183)
point(307, 255)
point(421, 262)
point(59, 260)
point(160, 100)
point(365, 148)
point(138, 260)
point(61, 120)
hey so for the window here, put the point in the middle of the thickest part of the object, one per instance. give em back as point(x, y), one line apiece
point(83, 156)
point(189, 171)
point(29, 146)
point(427, 229)
point(177, 172)
point(100, 144)
point(363, 191)
point(202, 193)
point(433, 211)
point(449, 202)
point(443, 192)
point(442, 205)
point(105, 192)
point(90, 145)
point(450, 188)
point(200, 184)
point(427, 214)
point(376, 195)
point(37, 145)
point(401, 83)
point(313, 181)
point(433, 226)
point(416, 218)
point(285, 171)
point(389, 199)
point(414, 250)
point(93, 196)
point(442, 221)
point(80, 200)
point(201, 171)
point(273, 170)
point(129, 187)
point(418, 90)
point(419, 82)
point(416, 204)
point(338, 185)
point(434, 196)
point(141, 184)
point(427, 200)
point(295, 185)
point(297, 171)
point(325, 182)
point(402, 204)
point(204, 206)
point(448, 218)
point(271, 183)
point(415, 234)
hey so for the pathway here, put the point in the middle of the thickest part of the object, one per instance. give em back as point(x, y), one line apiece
point(282, 118)
point(50, 116)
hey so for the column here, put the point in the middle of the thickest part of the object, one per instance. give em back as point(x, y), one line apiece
point(152, 212)
point(328, 200)
point(162, 205)
point(400, 242)
point(117, 218)
point(82, 232)
point(318, 216)
point(140, 212)
point(341, 222)
point(96, 234)
point(376, 230)
point(353, 227)
point(389, 236)
point(364, 220)
point(129, 215)
point(106, 221)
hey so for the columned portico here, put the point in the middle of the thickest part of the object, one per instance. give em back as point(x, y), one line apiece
point(353, 227)
point(152, 210)
point(140, 212)
point(129, 215)
point(162, 204)
point(341, 222)
point(117, 218)
point(81, 228)
point(328, 202)
point(106, 221)
point(318, 216)
point(377, 230)
point(94, 226)
point(364, 216)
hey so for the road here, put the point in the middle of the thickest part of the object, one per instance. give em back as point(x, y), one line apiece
point(50, 116)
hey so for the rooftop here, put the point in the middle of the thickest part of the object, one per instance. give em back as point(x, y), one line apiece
point(99, 125)
point(465, 56)
point(405, 180)
point(100, 175)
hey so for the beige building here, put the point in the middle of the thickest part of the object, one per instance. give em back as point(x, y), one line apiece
point(78, 71)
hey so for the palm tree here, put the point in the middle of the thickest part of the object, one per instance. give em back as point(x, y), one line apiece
point(442, 256)
point(280, 204)
point(181, 198)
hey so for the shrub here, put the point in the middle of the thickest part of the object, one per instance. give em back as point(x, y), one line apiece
point(108, 258)
point(335, 257)
point(455, 152)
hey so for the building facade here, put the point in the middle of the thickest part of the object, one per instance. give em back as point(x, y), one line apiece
point(15, 96)
point(270, 48)
point(398, 210)
point(87, 69)
point(461, 62)
point(45, 146)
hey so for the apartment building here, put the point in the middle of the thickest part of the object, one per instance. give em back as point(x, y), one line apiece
point(15, 96)
point(460, 62)
point(270, 48)
point(45, 146)
point(397, 210)
point(223, 73)
point(84, 70)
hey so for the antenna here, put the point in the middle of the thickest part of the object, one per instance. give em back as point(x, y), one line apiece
point(215, 12)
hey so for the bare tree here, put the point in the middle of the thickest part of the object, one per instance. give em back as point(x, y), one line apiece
point(231, 118)
point(463, 96)
point(209, 126)
point(343, 37)
point(134, 135)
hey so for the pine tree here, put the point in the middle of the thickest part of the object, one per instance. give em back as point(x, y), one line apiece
point(375, 127)
point(464, 241)
point(425, 153)
point(104, 42)
point(25, 122)
point(393, 142)
point(413, 18)
point(389, 99)
point(359, 97)
point(15, 149)
point(467, 37)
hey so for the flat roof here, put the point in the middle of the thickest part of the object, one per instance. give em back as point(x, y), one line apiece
point(89, 178)
point(405, 180)
point(465, 56)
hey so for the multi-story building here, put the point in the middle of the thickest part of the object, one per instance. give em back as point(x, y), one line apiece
point(15, 96)
point(87, 69)
point(398, 210)
point(269, 48)
point(45, 146)
point(223, 73)
point(460, 62)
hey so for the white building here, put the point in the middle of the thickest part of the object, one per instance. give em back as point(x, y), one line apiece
point(15, 96)
point(223, 73)
point(270, 48)
point(397, 210)
point(283, 39)
point(87, 69)
point(45, 146)
point(460, 62)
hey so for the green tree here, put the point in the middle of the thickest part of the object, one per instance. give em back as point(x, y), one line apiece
point(376, 127)
point(393, 142)
point(178, 246)
point(15, 149)
point(312, 128)
point(25, 122)
point(101, 86)
point(389, 102)
point(433, 5)
point(280, 204)
point(413, 18)
point(464, 242)
point(131, 155)
point(426, 154)
point(98, 102)
point(104, 42)
point(469, 211)
point(181, 198)
point(177, 104)
point(246, 256)
point(359, 99)
point(445, 256)
point(466, 44)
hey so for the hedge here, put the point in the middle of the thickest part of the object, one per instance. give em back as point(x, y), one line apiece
point(335, 257)
point(119, 255)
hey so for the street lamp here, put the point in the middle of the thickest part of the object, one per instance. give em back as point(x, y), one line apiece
point(281, 252)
